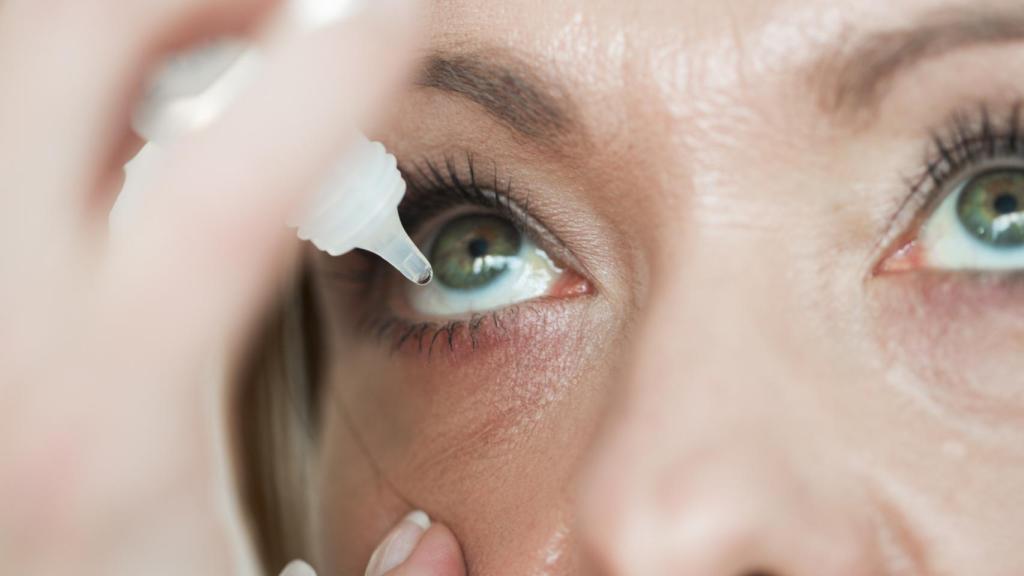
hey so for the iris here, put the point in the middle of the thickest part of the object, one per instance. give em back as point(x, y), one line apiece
point(991, 208)
point(472, 251)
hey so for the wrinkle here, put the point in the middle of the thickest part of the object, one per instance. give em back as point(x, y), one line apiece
point(383, 482)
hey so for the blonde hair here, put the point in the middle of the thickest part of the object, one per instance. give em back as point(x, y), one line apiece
point(275, 430)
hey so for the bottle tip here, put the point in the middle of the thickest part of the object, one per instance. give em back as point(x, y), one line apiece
point(402, 253)
point(426, 277)
point(416, 267)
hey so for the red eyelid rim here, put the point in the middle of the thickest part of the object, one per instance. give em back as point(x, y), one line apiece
point(910, 256)
point(570, 284)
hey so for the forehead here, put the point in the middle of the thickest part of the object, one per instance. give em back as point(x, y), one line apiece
point(547, 26)
point(602, 40)
point(674, 50)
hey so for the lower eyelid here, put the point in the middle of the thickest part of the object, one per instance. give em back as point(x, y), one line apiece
point(456, 340)
point(568, 285)
point(456, 336)
point(956, 292)
point(955, 332)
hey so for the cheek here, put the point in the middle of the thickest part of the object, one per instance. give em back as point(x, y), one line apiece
point(356, 509)
point(962, 336)
point(474, 399)
point(486, 438)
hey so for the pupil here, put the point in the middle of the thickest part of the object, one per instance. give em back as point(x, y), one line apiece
point(479, 247)
point(1006, 204)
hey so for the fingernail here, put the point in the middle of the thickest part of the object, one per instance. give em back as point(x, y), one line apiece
point(399, 544)
point(298, 568)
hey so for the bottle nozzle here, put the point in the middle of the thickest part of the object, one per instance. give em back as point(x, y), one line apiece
point(393, 245)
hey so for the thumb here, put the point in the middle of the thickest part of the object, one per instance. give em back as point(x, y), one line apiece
point(416, 547)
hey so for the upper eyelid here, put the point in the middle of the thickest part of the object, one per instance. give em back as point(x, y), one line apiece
point(426, 179)
point(433, 190)
point(967, 142)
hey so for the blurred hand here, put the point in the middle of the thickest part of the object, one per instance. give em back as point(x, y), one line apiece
point(108, 463)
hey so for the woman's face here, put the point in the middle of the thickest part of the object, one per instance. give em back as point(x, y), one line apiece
point(722, 288)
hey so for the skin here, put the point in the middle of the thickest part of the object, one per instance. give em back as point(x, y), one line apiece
point(736, 391)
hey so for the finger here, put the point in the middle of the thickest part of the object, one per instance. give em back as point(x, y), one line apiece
point(212, 232)
point(75, 67)
point(415, 547)
point(399, 544)
point(437, 554)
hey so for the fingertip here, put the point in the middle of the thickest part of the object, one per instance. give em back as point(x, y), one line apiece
point(437, 554)
point(298, 568)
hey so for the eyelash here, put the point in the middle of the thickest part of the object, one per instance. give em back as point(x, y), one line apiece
point(968, 142)
point(426, 335)
point(434, 189)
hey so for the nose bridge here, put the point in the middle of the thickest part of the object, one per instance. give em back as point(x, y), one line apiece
point(709, 467)
point(718, 329)
point(715, 379)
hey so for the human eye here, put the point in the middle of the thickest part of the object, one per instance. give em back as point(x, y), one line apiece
point(973, 217)
point(482, 262)
point(489, 253)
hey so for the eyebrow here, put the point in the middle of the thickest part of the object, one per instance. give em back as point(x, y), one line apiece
point(857, 77)
point(508, 89)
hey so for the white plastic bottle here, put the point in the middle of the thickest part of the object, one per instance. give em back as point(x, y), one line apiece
point(357, 207)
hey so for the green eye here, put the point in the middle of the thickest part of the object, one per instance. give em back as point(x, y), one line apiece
point(471, 251)
point(991, 208)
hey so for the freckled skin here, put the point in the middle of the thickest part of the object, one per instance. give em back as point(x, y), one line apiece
point(738, 392)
